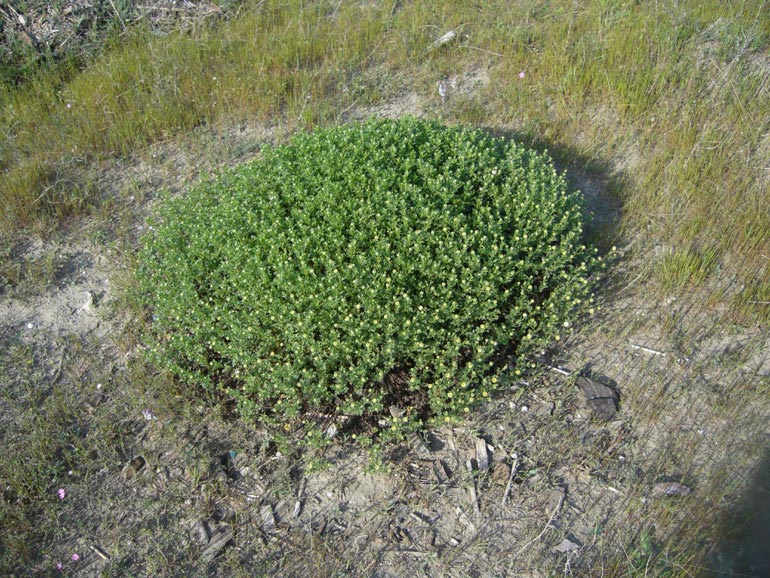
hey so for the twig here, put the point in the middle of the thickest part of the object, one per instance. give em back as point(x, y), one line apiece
point(647, 349)
point(559, 370)
point(465, 520)
point(99, 552)
point(485, 51)
point(117, 13)
point(208, 11)
point(544, 362)
point(394, 9)
point(514, 467)
point(543, 531)
point(634, 280)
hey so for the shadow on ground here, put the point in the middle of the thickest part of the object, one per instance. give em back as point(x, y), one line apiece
point(745, 544)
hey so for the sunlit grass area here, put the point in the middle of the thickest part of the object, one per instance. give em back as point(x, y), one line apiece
point(673, 94)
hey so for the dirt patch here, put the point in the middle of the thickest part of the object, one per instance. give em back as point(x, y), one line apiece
point(71, 305)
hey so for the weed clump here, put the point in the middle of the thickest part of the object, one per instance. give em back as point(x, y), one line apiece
point(391, 272)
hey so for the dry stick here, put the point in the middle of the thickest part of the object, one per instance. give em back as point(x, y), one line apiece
point(117, 13)
point(99, 552)
point(559, 370)
point(485, 51)
point(543, 531)
point(514, 467)
point(647, 349)
point(211, 10)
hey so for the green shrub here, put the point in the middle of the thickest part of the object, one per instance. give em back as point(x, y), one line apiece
point(388, 272)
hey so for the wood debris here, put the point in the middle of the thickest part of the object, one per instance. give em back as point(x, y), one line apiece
point(482, 455)
point(200, 532)
point(445, 39)
point(219, 539)
point(474, 494)
point(55, 27)
point(420, 447)
point(441, 471)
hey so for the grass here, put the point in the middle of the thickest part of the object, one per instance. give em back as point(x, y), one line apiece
point(685, 267)
point(667, 103)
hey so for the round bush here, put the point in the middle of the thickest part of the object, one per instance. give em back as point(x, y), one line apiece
point(389, 271)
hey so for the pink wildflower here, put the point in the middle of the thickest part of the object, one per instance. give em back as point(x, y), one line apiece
point(522, 74)
point(75, 557)
point(62, 493)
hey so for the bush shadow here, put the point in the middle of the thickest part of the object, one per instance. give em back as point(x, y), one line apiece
point(600, 183)
point(744, 533)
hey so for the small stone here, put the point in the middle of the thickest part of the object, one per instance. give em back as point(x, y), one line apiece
point(421, 448)
point(268, 519)
point(501, 472)
point(556, 499)
point(546, 409)
point(200, 532)
point(600, 398)
point(565, 546)
point(669, 489)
